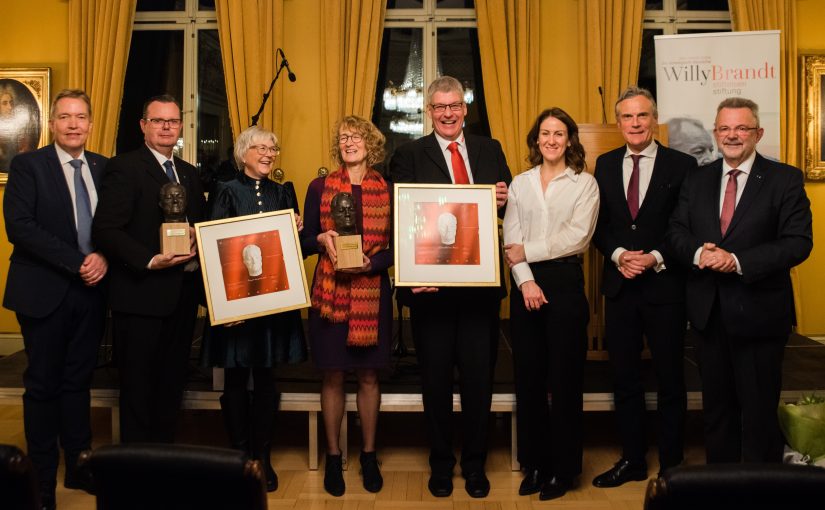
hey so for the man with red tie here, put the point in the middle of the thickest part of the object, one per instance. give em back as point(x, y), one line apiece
point(643, 285)
point(454, 327)
point(741, 224)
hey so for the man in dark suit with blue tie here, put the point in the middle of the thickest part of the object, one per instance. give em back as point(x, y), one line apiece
point(153, 297)
point(54, 287)
point(643, 285)
point(454, 326)
point(741, 224)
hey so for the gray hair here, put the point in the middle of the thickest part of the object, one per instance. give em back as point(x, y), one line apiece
point(444, 84)
point(74, 94)
point(249, 137)
point(740, 102)
point(633, 91)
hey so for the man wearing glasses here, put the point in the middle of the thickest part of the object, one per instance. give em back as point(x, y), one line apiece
point(454, 326)
point(741, 223)
point(153, 297)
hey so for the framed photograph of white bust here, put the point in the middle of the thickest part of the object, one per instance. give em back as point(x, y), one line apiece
point(446, 235)
point(252, 266)
point(24, 112)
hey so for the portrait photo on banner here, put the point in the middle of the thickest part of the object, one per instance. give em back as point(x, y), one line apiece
point(24, 112)
point(446, 235)
point(252, 266)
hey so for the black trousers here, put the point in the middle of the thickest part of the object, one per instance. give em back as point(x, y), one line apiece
point(455, 329)
point(549, 350)
point(153, 360)
point(741, 384)
point(629, 318)
point(62, 354)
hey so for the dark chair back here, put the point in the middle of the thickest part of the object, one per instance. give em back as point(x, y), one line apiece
point(164, 476)
point(18, 482)
point(748, 486)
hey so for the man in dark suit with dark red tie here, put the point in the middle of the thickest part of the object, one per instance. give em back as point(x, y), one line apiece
point(454, 326)
point(54, 287)
point(643, 285)
point(741, 224)
point(153, 297)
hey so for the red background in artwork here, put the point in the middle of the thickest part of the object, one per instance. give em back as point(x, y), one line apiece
point(428, 247)
point(237, 282)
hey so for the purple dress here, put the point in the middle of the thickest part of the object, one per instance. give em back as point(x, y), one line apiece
point(328, 340)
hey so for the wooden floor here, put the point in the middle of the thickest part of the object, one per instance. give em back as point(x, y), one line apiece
point(403, 456)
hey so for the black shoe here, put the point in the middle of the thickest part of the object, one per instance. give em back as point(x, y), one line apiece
point(373, 481)
point(624, 471)
point(334, 476)
point(441, 486)
point(531, 483)
point(477, 485)
point(79, 478)
point(555, 487)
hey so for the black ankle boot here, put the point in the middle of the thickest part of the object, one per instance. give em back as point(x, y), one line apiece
point(373, 481)
point(235, 410)
point(263, 418)
point(334, 476)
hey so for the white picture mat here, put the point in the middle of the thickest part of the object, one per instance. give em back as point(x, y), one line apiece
point(408, 273)
point(222, 310)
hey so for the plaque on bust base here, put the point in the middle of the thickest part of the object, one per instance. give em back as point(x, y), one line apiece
point(349, 251)
point(174, 238)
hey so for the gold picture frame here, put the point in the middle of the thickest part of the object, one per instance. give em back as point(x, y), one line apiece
point(446, 235)
point(813, 95)
point(252, 266)
point(24, 112)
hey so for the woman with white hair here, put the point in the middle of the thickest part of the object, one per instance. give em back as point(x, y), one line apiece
point(254, 345)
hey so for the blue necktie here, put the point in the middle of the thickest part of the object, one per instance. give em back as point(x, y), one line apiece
point(83, 206)
point(170, 170)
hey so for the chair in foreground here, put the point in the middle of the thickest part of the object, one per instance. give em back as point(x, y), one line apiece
point(164, 476)
point(18, 482)
point(748, 486)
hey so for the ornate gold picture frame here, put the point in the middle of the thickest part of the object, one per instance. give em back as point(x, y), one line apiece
point(24, 112)
point(814, 141)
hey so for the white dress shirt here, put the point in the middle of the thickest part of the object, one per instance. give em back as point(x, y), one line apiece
point(162, 159)
point(551, 224)
point(68, 172)
point(462, 149)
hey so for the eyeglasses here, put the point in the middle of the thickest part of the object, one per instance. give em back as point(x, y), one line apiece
point(441, 108)
point(739, 130)
point(346, 138)
point(156, 123)
point(263, 150)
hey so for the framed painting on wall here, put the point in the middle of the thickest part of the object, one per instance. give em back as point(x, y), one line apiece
point(24, 112)
point(813, 95)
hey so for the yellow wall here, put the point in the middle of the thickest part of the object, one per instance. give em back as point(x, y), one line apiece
point(39, 36)
point(811, 39)
point(35, 34)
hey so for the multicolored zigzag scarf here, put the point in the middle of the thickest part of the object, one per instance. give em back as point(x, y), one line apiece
point(347, 297)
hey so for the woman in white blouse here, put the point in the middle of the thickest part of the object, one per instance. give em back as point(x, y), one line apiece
point(550, 218)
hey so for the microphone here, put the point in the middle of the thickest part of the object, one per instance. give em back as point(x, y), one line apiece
point(284, 63)
point(604, 115)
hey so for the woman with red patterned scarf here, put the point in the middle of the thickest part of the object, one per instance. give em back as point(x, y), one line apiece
point(350, 322)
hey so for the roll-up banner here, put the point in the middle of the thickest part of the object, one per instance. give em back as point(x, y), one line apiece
point(695, 72)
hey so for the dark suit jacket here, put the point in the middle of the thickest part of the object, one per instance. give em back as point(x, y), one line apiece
point(39, 216)
point(616, 228)
point(770, 233)
point(422, 161)
point(127, 225)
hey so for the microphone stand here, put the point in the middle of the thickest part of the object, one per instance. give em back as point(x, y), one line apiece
point(266, 95)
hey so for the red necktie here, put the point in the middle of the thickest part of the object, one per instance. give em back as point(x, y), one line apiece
point(633, 187)
point(729, 202)
point(459, 169)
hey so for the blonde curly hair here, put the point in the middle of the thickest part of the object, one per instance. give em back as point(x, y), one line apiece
point(373, 139)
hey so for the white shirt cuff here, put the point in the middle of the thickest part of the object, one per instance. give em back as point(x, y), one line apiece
point(521, 273)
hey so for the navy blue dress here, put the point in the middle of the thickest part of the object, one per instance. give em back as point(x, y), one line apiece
point(262, 341)
point(328, 340)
